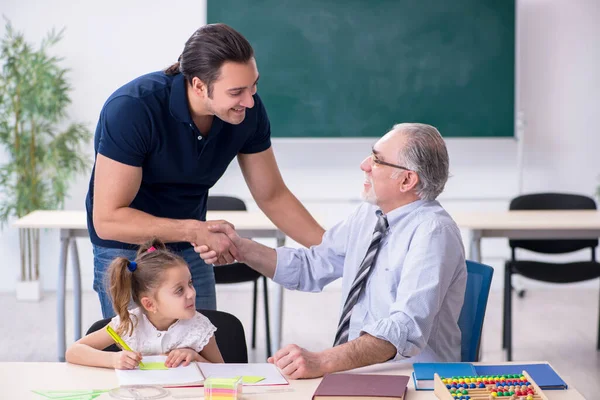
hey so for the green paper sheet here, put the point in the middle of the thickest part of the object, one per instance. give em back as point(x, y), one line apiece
point(252, 379)
point(149, 366)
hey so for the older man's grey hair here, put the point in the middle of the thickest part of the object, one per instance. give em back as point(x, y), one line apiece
point(425, 153)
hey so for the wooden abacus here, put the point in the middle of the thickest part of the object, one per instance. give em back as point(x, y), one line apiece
point(490, 391)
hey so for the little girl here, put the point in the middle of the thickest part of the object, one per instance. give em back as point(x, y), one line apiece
point(164, 322)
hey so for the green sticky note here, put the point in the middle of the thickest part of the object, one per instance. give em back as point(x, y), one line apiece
point(252, 379)
point(153, 366)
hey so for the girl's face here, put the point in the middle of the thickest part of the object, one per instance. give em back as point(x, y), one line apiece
point(176, 296)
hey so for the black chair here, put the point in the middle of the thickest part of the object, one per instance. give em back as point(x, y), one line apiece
point(240, 272)
point(546, 271)
point(230, 335)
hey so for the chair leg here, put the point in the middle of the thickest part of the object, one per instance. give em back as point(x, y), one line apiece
point(504, 291)
point(598, 344)
point(508, 312)
point(254, 298)
point(267, 324)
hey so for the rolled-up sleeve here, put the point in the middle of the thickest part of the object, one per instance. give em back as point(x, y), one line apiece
point(310, 270)
point(431, 265)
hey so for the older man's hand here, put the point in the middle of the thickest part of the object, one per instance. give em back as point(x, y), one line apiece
point(210, 254)
point(298, 363)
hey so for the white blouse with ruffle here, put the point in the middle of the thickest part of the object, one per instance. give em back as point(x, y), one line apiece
point(192, 333)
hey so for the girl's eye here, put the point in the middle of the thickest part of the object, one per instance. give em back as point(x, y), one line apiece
point(178, 291)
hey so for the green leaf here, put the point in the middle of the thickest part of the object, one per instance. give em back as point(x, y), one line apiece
point(43, 158)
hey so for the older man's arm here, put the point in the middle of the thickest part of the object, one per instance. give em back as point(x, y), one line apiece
point(429, 269)
point(296, 362)
point(434, 263)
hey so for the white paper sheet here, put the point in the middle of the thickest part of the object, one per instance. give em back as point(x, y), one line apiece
point(268, 371)
point(180, 376)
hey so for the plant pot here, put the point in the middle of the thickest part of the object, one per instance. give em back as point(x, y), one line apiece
point(29, 290)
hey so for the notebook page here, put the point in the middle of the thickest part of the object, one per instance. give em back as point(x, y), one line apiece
point(268, 371)
point(190, 375)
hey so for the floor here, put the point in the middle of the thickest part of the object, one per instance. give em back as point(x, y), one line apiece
point(559, 326)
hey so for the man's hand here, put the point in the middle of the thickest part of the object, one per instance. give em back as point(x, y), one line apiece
point(211, 255)
point(218, 242)
point(297, 363)
point(184, 355)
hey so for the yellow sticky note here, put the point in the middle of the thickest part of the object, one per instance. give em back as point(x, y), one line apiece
point(149, 366)
point(252, 379)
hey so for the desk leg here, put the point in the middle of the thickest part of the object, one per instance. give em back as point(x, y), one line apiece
point(475, 248)
point(76, 288)
point(277, 309)
point(60, 294)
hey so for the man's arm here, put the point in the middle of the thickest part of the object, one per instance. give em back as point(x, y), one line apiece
point(275, 199)
point(261, 258)
point(298, 363)
point(303, 269)
point(433, 275)
point(115, 186)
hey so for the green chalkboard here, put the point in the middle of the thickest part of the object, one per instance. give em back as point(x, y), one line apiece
point(353, 68)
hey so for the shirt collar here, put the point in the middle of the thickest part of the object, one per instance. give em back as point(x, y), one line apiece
point(178, 104)
point(397, 214)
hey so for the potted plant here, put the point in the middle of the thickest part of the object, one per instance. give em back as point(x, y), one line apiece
point(42, 151)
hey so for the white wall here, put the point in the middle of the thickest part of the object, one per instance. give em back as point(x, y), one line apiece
point(558, 91)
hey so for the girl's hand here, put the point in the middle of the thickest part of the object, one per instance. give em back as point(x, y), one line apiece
point(126, 360)
point(185, 355)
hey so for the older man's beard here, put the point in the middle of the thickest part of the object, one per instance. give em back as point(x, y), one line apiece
point(369, 196)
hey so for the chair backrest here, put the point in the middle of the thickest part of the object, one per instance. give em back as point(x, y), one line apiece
point(553, 201)
point(470, 322)
point(96, 326)
point(230, 335)
point(225, 203)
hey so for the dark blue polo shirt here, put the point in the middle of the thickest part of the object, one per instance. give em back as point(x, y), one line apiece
point(147, 124)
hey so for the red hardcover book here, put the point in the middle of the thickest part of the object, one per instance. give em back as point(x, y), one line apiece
point(362, 387)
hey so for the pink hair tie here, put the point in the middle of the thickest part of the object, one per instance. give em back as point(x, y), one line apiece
point(151, 249)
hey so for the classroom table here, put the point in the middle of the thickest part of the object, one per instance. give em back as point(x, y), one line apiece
point(73, 224)
point(531, 224)
point(18, 379)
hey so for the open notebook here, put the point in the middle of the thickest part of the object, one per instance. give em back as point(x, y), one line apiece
point(195, 373)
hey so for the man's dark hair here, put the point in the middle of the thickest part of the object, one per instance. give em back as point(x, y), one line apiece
point(206, 51)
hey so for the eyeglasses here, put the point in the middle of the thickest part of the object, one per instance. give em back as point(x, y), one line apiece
point(380, 162)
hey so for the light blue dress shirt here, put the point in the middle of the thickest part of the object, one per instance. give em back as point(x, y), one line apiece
point(415, 290)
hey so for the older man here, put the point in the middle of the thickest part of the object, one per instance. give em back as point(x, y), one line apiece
point(400, 256)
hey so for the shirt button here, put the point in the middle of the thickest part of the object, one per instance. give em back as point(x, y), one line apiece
point(158, 334)
point(199, 137)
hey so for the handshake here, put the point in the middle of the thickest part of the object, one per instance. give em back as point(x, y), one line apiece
point(219, 244)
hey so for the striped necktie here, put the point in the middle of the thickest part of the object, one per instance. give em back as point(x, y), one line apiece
point(360, 280)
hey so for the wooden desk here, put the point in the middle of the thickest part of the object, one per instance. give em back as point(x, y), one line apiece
point(18, 379)
point(555, 224)
point(73, 224)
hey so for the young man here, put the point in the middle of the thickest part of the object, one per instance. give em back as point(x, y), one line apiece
point(400, 257)
point(164, 139)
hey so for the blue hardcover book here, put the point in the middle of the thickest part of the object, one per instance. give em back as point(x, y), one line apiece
point(542, 374)
point(423, 372)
